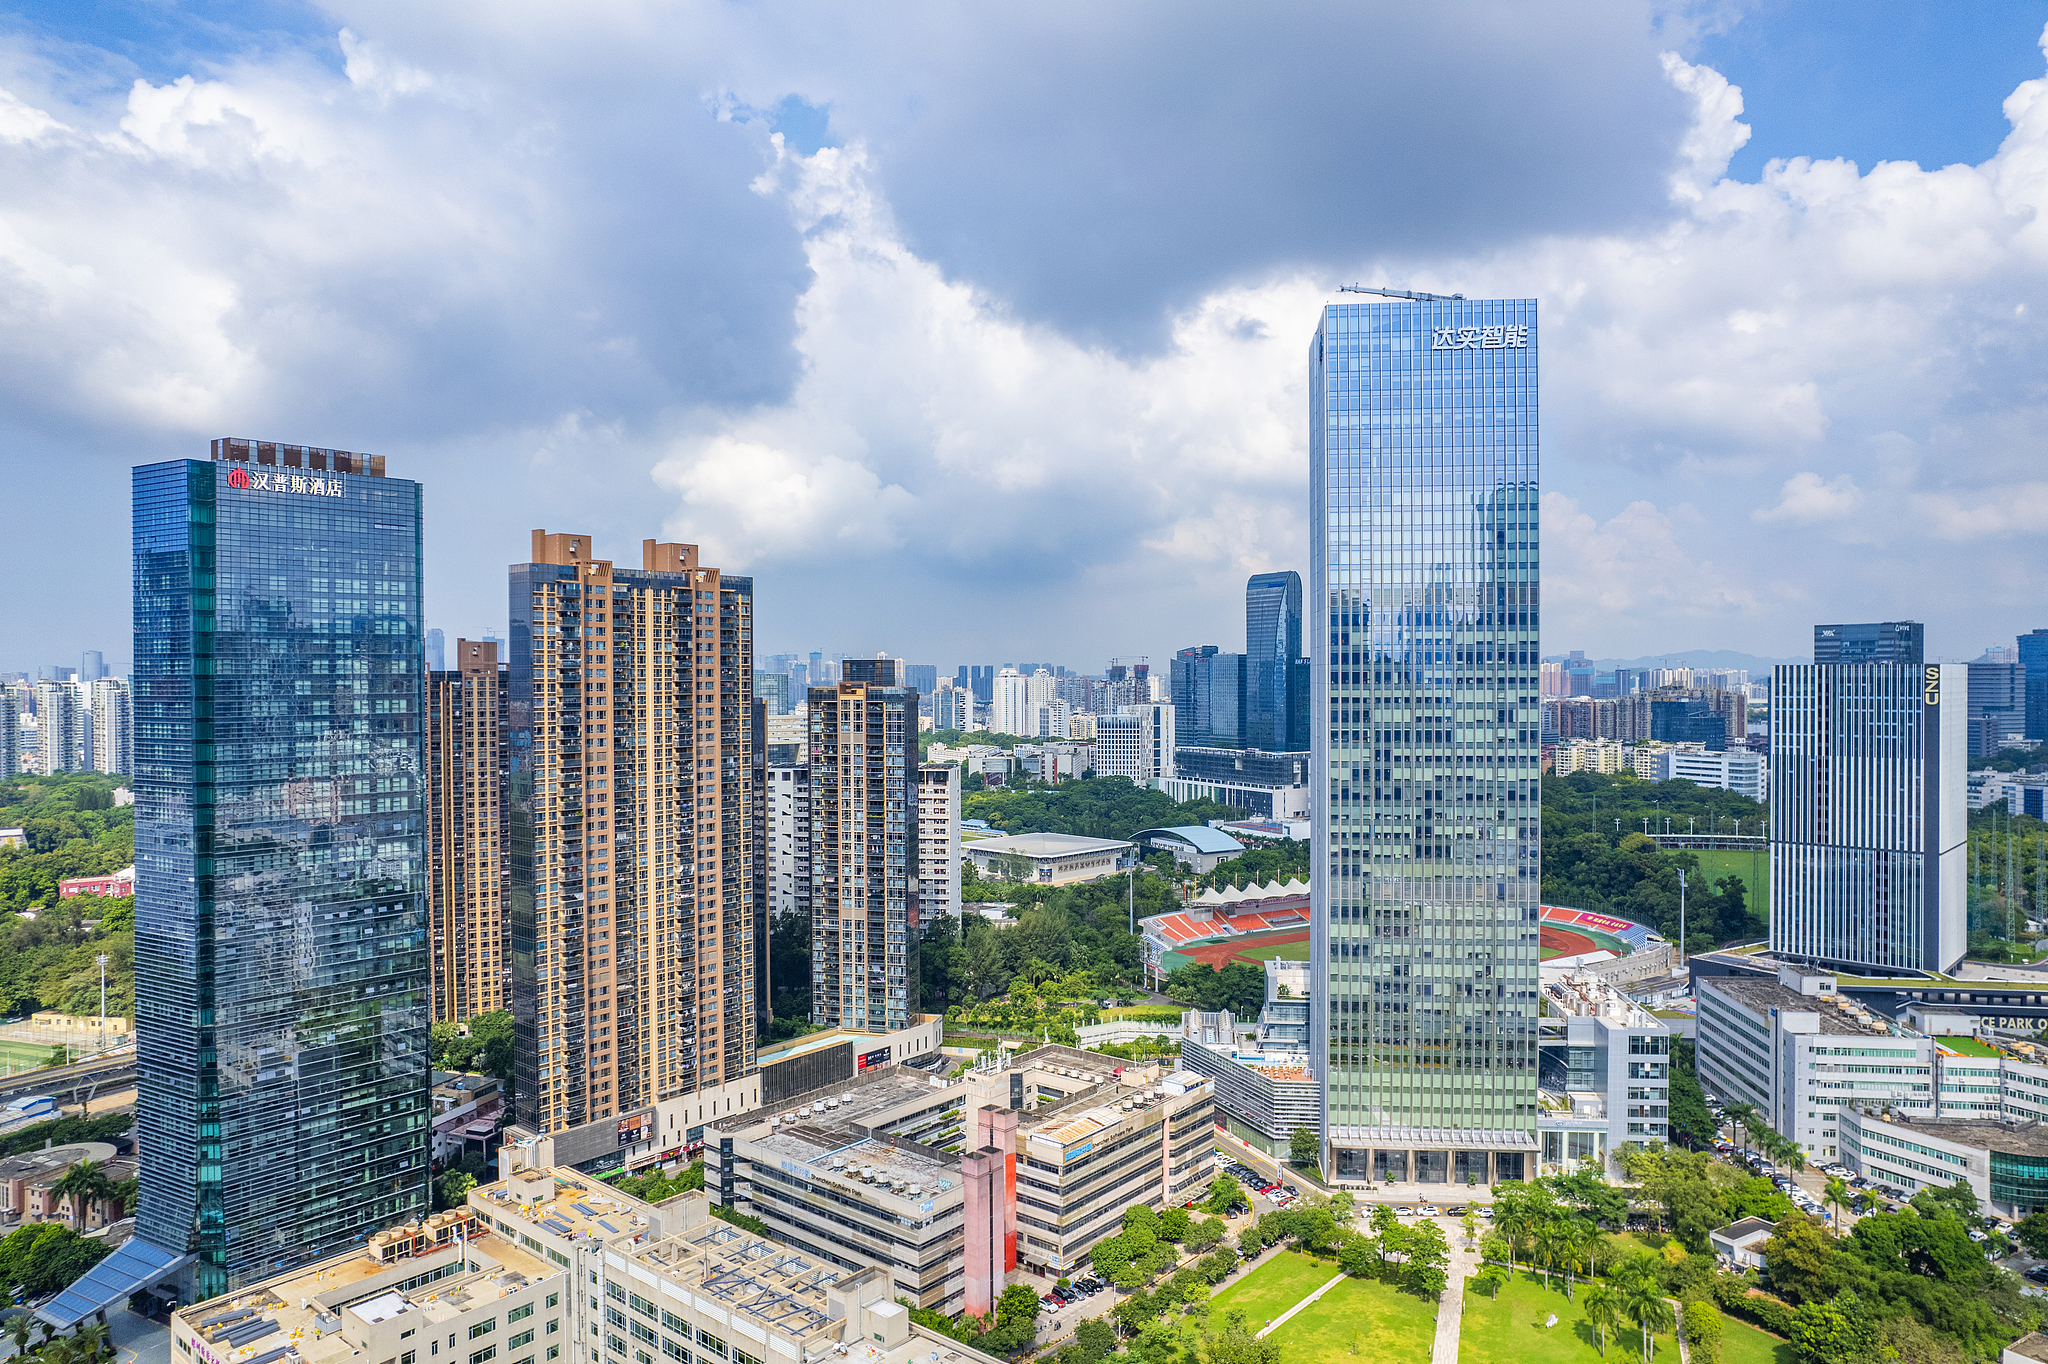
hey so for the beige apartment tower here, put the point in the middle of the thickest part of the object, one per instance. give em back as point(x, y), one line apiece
point(466, 874)
point(631, 831)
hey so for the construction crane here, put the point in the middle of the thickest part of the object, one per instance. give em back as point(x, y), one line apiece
point(1400, 293)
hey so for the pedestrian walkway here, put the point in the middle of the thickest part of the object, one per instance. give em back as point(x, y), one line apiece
point(1450, 1310)
point(1310, 1300)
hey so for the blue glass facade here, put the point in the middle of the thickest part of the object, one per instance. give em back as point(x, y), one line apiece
point(281, 925)
point(1274, 705)
point(1424, 577)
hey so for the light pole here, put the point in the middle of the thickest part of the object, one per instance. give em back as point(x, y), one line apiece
point(103, 1001)
point(1681, 917)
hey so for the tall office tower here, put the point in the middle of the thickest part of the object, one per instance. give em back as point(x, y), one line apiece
point(1207, 689)
point(113, 726)
point(2033, 652)
point(60, 728)
point(952, 708)
point(92, 666)
point(437, 651)
point(1040, 686)
point(468, 759)
point(631, 829)
point(981, 680)
point(1890, 641)
point(922, 677)
point(938, 840)
point(1272, 652)
point(1998, 703)
point(280, 858)
point(1868, 818)
point(1424, 484)
point(1009, 712)
point(864, 853)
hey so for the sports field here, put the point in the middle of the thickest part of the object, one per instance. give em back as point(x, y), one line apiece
point(1288, 945)
point(20, 1056)
point(1358, 1319)
point(1754, 869)
point(1570, 942)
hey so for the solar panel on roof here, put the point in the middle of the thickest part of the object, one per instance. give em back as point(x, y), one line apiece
point(608, 1226)
point(585, 1209)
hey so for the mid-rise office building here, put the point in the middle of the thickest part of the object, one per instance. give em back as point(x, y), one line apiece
point(1739, 770)
point(938, 840)
point(864, 850)
point(1265, 1090)
point(631, 829)
point(1998, 704)
point(773, 688)
point(1268, 785)
point(468, 759)
point(62, 724)
point(113, 726)
point(281, 939)
point(1424, 585)
point(1605, 1073)
point(1868, 815)
point(1276, 680)
point(1209, 690)
point(1137, 742)
point(1902, 642)
point(92, 665)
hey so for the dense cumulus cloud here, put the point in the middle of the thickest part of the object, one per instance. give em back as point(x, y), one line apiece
point(1006, 313)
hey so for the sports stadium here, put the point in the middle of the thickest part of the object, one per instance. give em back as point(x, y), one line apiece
point(1260, 923)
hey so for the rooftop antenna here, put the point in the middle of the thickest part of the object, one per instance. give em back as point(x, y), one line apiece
point(1399, 293)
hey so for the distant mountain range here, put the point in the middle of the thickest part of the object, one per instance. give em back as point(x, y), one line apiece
point(1757, 664)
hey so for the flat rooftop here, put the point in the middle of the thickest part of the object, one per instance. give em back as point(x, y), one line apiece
point(1763, 995)
point(1049, 845)
point(2029, 1139)
point(318, 1308)
point(749, 1275)
point(561, 1202)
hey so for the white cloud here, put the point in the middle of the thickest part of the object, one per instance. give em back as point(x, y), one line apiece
point(1806, 499)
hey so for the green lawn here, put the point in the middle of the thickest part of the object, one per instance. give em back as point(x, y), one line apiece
point(1286, 951)
point(1282, 1281)
point(1742, 1343)
point(1753, 868)
point(20, 1056)
point(1511, 1331)
point(1359, 1318)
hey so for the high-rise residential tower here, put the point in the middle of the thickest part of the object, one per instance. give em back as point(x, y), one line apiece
point(632, 829)
point(938, 840)
point(1274, 668)
point(62, 726)
point(280, 857)
point(1868, 818)
point(864, 850)
point(467, 761)
point(1424, 584)
point(113, 726)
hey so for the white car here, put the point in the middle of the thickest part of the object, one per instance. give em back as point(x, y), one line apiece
point(1404, 1211)
point(1432, 1210)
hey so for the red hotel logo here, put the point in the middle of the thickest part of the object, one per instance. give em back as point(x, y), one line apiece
point(279, 481)
point(238, 478)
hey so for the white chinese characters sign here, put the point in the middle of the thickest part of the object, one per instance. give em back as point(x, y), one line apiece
point(1478, 338)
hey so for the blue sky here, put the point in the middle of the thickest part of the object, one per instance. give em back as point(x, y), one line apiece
point(1005, 309)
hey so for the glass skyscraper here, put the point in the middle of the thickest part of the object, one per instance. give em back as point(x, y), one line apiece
point(281, 924)
point(1272, 650)
point(1422, 441)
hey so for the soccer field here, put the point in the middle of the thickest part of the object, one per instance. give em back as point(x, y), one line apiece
point(1754, 869)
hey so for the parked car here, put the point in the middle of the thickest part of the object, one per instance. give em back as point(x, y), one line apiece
point(1404, 1211)
point(1431, 1210)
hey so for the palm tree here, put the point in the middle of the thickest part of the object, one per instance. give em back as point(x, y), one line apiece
point(1575, 1244)
point(1836, 1194)
point(1603, 1313)
point(1744, 1116)
point(1549, 1246)
point(1643, 1296)
point(1515, 1225)
point(84, 1184)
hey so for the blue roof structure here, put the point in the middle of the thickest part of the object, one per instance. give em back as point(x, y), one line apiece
point(1197, 836)
point(110, 1283)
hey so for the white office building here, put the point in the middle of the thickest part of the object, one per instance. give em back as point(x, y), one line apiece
point(1009, 708)
point(952, 707)
point(1738, 769)
point(1604, 1074)
point(938, 840)
point(1136, 742)
point(1800, 1052)
point(1867, 815)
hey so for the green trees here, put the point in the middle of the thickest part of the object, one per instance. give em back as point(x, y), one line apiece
point(1428, 1260)
point(1703, 1332)
point(1691, 1123)
point(43, 1257)
point(84, 1184)
point(1304, 1148)
point(1491, 1277)
point(1642, 1297)
point(1602, 1306)
point(1224, 1191)
point(1095, 807)
point(482, 1044)
point(1238, 986)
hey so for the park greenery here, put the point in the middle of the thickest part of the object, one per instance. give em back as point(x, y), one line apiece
point(1093, 807)
point(656, 1187)
point(1597, 855)
point(480, 1044)
point(1078, 936)
point(1291, 860)
point(42, 1257)
point(69, 1131)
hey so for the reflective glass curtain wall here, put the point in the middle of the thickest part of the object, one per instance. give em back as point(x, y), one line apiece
point(1424, 578)
point(1272, 643)
point(281, 926)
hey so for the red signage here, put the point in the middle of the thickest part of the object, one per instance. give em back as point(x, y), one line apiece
point(873, 1058)
point(238, 478)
